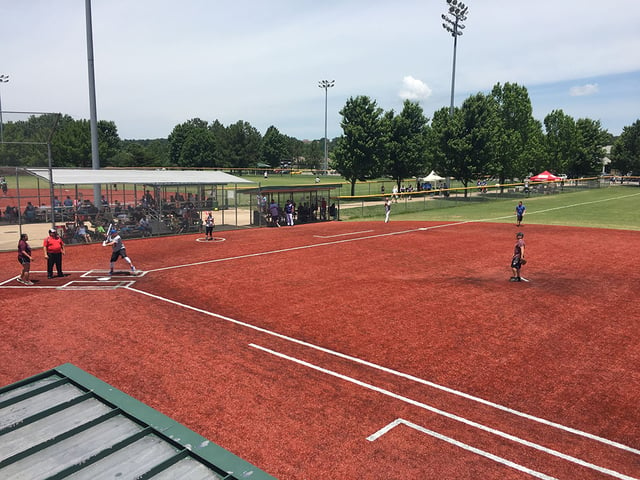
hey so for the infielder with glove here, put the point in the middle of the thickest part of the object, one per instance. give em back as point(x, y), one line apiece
point(518, 257)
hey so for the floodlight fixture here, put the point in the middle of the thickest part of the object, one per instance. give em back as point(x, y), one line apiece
point(453, 24)
point(3, 79)
point(326, 84)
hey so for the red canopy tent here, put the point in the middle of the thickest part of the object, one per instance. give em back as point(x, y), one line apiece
point(545, 177)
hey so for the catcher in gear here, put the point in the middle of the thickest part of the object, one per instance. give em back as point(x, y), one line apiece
point(518, 257)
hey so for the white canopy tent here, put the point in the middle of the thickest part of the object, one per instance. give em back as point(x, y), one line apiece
point(433, 177)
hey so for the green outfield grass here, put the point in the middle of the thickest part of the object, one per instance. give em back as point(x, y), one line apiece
point(607, 207)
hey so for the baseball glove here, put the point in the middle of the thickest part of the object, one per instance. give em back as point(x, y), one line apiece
point(523, 261)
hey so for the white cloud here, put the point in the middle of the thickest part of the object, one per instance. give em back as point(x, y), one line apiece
point(414, 89)
point(584, 90)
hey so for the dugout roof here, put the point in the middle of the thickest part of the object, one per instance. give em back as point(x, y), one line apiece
point(66, 422)
point(79, 176)
point(293, 188)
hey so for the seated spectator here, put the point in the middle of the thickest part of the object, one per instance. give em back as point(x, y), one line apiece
point(144, 227)
point(30, 213)
point(83, 234)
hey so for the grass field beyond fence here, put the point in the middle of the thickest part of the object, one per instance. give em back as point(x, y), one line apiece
point(615, 207)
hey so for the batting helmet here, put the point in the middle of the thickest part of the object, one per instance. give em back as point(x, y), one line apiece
point(520, 235)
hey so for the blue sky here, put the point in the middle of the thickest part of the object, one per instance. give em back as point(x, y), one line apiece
point(159, 63)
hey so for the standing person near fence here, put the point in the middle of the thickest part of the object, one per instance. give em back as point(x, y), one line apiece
point(274, 211)
point(24, 258)
point(518, 258)
point(114, 240)
point(387, 209)
point(53, 252)
point(209, 224)
point(288, 212)
point(520, 209)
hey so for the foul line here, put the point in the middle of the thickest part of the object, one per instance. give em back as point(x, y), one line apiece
point(379, 235)
point(457, 443)
point(342, 234)
point(452, 391)
point(448, 415)
point(282, 250)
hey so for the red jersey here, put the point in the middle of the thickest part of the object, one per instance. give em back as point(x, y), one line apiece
point(53, 244)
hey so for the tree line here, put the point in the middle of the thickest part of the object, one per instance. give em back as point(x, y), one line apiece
point(192, 144)
point(491, 134)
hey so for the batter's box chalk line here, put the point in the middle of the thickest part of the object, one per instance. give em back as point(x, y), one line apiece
point(96, 284)
point(103, 275)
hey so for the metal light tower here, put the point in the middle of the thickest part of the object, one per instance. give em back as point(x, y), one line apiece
point(3, 79)
point(326, 84)
point(453, 24)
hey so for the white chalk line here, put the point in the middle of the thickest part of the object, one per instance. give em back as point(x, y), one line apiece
point(449, 415)
point(379, 235)
point(457, 443)
point(405, 376)
point(342, 234)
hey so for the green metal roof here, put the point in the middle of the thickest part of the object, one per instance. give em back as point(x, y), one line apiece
point(66, 423)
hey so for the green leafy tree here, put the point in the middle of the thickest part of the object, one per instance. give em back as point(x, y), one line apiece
point(192, 144)
point(243, 145)
point(625, 152)
point(71, 145)
point(407, 136)
point(360, 151)
point(220, 136)
point(314, 153)
point(464, 144)
point(275, 147)
point(534, 157)
point(516, 137)
point(561, 141)
point(591, 142)
point(27, 140)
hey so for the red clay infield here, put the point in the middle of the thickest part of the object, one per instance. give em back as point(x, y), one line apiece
point(294, 347)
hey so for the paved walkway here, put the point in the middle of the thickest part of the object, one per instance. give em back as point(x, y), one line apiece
point(10, 235)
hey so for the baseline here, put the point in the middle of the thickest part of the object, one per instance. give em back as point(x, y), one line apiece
point(451, 416)
point(379, 235)
point(342, 234)
point(443, 388)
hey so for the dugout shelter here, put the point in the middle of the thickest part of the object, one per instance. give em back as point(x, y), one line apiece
point(313, 203)
point(171, 201)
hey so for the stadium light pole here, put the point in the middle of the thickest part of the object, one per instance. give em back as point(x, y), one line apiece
point(3, 79)
point(326, 84)
point(453, 24)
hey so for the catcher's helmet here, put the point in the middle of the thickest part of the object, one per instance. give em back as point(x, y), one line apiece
point(520, 235)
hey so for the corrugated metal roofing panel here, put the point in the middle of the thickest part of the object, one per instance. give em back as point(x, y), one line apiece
point(78, 176)
point(66, 423)
point(49, 426)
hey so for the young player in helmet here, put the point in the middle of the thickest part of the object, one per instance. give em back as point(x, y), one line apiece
point(118, 250)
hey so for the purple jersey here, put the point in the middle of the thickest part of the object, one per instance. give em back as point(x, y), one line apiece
point(517, 251)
